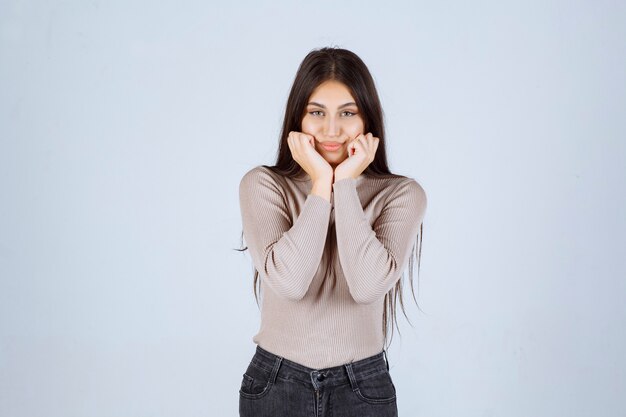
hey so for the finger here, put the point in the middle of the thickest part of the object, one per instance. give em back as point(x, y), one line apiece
point(293, 144)
point(373, 143)
point(351, 148)
point(369, 148)
point(304, 139)
point(359, 146)
point(297, 140)
point(375, 146)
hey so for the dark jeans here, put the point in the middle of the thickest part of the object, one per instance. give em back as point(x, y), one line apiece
point(276, 387)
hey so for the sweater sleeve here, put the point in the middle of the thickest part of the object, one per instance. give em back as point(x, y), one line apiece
point(286, 253)
point(373, 258)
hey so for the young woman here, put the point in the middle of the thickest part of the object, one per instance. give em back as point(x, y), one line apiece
point(330, 230)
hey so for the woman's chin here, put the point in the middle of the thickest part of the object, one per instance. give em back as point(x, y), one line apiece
point(335, 159)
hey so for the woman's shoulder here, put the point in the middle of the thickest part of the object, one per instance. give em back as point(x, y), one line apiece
point(261, 176)
point(261, 172)
point(411, 191)
point(412, 184)
point(393, 183)
point(402, 189)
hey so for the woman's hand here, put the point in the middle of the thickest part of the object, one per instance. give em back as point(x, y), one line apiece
point(361, 152)
point(302, 146)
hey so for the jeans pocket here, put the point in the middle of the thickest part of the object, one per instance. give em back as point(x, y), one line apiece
point(376, 389)
point(255, 382)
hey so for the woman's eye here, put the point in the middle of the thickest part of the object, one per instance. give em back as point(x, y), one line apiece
point(320, 113)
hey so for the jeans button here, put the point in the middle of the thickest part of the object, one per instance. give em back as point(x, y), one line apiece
point(320, 377)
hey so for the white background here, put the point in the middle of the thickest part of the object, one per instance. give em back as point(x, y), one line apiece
point(126, 126)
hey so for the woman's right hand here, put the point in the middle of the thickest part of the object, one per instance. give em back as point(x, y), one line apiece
point(302, 146)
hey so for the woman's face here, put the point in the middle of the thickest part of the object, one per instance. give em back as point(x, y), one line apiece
point(332, 117)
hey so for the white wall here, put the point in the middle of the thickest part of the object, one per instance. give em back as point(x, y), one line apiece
point(125, 127)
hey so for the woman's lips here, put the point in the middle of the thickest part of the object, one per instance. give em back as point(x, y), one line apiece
point(331, 146)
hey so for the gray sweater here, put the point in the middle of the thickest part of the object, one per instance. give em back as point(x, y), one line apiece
point(325, 267)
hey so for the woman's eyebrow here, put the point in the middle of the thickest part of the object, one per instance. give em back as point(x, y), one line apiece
point(312, 103)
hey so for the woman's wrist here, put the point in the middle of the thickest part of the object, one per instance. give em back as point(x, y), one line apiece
point(322, 187)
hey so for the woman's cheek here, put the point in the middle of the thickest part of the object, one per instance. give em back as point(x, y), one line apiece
point(355, 133)
point(309, 128)
point(356, 130)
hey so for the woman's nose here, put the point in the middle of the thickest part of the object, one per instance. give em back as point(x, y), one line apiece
point(332, 127)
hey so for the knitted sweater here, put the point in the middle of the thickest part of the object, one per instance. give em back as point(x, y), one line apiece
point(325, 267)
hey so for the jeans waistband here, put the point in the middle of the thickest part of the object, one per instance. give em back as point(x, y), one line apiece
point(280, 367)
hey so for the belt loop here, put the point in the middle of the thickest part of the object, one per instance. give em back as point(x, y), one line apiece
point(351, 376)
point(386, 360)
point(274, 373)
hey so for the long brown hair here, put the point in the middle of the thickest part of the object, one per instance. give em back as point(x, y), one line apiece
point(332, 63)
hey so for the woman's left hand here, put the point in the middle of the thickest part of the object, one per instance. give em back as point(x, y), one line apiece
point(361, 152)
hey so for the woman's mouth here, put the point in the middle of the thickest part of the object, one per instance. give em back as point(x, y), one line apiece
point(331, 146)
